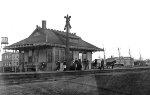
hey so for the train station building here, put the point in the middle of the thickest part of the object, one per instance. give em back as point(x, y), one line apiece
point(47, 46)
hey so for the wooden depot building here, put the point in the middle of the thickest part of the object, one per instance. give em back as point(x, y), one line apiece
point(44, 47)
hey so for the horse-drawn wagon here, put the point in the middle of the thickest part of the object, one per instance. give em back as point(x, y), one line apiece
point(110, 62)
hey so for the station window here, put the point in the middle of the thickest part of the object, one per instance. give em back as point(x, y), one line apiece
point(60, 54)
point(49, 55)
point(30, 56)
point(30, 59)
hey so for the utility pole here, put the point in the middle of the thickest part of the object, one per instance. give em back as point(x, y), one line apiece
point(140, 56)
point(119, 56)
point(130, 57)
point(129, 53)
point(104, 56)
point(67, 51)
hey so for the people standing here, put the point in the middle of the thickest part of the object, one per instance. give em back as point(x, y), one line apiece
point(79, 64)
point(95, 64)
point(58, 65)
point(76, 64)
point(102, 64)
point(64, 65)
point(86, 63)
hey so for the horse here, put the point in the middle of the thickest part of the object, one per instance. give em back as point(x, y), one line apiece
point(112, 63)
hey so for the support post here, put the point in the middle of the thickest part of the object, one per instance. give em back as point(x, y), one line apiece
point(3, 69)
point(53, 58)
point(15, 68)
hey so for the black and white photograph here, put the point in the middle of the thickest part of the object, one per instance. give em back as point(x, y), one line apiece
point(74, 47)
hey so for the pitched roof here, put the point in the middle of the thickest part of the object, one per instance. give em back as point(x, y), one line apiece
point(52, 37)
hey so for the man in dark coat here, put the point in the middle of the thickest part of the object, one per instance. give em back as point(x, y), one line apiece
point(76, 64)
point(102, 64)
point(86, 63)
point(79, 64)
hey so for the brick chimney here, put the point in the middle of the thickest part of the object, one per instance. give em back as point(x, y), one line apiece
point(44, 24)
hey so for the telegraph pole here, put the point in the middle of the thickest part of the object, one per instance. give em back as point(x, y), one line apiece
point(129, 53)
point(67, 52)
point(140, 56)
point(130, 57)
point(104, 56)
point(119, 55)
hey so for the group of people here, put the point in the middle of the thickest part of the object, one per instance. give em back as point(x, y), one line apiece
point(100, 64)
point(80, 65)
point(86, 64)
point(76, 64)
point(58, 65)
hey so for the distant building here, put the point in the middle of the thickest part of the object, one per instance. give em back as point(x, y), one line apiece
point(148, 62)
point(6, 59)
point(44, 47)
point(126, 61)
point(4, 42)
point(140, 63)
point(10, 61)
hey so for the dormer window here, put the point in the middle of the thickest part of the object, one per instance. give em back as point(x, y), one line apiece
point(73, 40)
point(36, 34)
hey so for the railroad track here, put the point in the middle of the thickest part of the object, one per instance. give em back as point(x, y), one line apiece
point(30, 77)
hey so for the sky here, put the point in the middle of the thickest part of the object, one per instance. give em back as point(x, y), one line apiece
point(109, 24)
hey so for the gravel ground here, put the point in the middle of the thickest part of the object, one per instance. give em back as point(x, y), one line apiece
point(117, 83)
point(60, 87)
